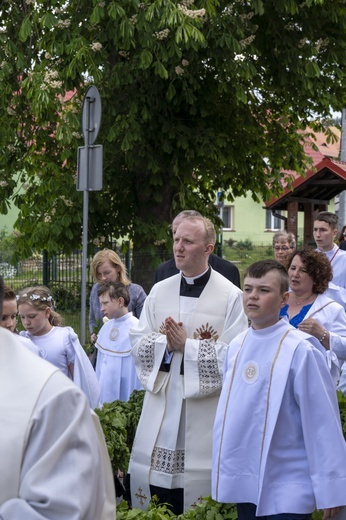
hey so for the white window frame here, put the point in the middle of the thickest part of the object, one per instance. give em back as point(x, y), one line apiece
point(273, 223)
point(227, 217)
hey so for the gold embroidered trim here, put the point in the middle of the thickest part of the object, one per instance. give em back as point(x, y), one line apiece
point(113, 351)
point(267, 405)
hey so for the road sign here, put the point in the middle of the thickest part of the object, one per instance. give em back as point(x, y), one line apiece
point(91, 115)
point(89, 168)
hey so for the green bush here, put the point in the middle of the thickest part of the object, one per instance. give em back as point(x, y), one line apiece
point(244, 245)
point(119, 422)
point(7, 246)
point(66, 298)
point(206, 509)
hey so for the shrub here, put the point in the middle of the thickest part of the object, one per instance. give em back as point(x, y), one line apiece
point(244, 245)
point(119, 422)
point(231, 242)
point(66, 298)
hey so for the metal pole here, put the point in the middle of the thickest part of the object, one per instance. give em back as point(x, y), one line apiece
point(84, 264)
point(89, 101)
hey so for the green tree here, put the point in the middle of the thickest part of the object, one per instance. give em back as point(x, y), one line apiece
point(197, 95)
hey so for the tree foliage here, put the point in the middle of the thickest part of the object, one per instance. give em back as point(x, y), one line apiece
point(197, 95)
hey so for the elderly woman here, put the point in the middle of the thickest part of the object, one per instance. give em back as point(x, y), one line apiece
point(284, 244)
point(106, 266)
point(310, 310)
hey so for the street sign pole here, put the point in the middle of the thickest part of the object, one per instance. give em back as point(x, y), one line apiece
point(89, 177)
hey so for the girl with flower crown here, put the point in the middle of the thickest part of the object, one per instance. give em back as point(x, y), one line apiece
point(57, 344)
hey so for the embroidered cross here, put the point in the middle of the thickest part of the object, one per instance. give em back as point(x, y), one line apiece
point(140, 496)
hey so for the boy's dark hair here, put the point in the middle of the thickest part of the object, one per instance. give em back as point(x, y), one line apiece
point(329, 218)
point(262, 267)
point(115, 290)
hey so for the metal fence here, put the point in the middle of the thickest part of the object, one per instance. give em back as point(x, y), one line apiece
point(58, 270)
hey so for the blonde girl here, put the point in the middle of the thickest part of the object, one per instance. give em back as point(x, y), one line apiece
point(57, 344)
point(106, 266)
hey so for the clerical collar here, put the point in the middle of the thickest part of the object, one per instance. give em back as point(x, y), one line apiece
point(197, 280)
point(195, 289)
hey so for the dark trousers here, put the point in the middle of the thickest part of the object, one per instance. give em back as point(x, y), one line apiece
point(248, 512)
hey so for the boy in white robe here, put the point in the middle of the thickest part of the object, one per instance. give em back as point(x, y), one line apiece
point(325, 232)
point(115, 369)
point(278, 448)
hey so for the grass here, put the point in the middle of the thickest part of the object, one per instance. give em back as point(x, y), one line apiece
point(243, 254)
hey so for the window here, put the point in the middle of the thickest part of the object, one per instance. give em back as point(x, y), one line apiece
point(273, 223)
point(226, 214)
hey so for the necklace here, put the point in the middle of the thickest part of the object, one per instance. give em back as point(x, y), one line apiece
point(299, 301)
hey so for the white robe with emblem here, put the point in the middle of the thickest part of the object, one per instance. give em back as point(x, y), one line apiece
point(115, 369)
point(172, 448)
point(277, 440)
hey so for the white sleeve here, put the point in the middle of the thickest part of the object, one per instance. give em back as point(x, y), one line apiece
point(149, 348)
point(62, 474)
point(204, 359)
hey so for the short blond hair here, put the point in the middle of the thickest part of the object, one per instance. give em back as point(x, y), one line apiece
point(108, 255)
point(209, 228)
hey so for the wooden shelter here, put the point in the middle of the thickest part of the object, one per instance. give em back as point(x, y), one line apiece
point(311, 193)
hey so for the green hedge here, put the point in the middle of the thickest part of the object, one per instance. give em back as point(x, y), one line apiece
point(119, 422)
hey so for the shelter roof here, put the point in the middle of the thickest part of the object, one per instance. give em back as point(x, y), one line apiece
point(325, 180)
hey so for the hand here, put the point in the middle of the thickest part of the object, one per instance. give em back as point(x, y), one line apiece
point(331, 512)
point(176, 335)
point(311, 326)
point(93, 337)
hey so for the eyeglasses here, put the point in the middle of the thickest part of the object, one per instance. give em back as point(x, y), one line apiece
point(281, 248)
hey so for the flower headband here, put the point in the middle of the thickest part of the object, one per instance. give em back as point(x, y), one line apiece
point(34, 297)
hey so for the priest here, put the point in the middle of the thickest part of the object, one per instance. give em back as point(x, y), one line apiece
point(179, 347)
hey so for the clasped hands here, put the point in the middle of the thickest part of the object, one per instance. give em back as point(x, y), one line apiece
point(175, 334)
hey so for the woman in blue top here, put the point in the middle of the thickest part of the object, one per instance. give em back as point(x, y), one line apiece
point(310, 310)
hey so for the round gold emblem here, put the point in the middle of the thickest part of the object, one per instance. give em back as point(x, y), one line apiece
point(114, 334)
point(250, 372)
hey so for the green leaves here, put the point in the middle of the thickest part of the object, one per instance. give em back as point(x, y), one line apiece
point(25, 29)
point(48, 20)
point(119, 422)
point(160, 69)
point(146, 59)
point(195, 98)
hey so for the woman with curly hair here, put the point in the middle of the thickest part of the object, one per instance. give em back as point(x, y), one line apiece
point(310, 310)
point(106, 266)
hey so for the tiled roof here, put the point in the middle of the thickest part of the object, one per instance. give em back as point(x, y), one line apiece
point(324, 181)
